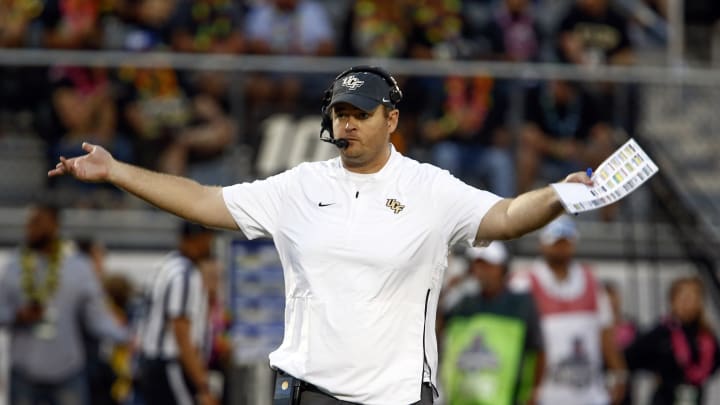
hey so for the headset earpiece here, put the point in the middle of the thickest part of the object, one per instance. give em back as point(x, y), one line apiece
point(326, 124)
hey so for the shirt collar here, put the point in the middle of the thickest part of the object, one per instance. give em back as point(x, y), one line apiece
point(381, 174)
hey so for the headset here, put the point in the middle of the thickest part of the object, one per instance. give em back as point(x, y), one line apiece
point(395, 96)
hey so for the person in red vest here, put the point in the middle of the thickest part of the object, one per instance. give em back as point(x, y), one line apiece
point(576, 322)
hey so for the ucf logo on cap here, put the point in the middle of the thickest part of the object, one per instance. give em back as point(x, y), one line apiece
point(352, 82)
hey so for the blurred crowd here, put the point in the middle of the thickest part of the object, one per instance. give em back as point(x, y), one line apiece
point(186, 121)
point(552, 332)
point(81, 333)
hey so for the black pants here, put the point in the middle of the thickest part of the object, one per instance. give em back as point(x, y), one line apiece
point(310, 395)
point(163, 382)
point(316, 398)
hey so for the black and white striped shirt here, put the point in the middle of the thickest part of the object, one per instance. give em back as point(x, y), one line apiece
point(177, 291)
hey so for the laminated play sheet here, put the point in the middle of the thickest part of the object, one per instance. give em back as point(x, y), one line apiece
point(619, 175)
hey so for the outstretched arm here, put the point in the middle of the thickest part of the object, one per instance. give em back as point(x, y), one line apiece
point(177, 195)
point(514, 217)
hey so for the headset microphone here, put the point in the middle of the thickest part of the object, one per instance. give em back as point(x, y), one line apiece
point(341, 143)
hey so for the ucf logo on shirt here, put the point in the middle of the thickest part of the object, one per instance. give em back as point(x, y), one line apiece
point(394, 205)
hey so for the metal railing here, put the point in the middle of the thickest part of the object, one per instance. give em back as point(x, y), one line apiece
point(676, 74)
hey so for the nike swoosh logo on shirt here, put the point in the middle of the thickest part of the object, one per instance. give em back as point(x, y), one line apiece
point(324, 204)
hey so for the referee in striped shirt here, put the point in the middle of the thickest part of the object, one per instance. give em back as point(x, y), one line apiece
point(173, 338)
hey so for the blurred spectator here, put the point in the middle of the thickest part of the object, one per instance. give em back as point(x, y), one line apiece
point(681, 350)
point(649, 28)
point(151, 100)
point(465, 127)
point(203, 142)
point(436, 29)
point(84, 106)
point(459, 284)
point(84, 110)
point(289, 27)
point(286, 27)
point(174, 337)
point(492, 345)
point(155, 105)
point(562, 133)
point(108, 363)
point(701, 24)
point(422, 29)
point(213, 26)
point(376, 28)
point(212, 134)
point(220, 355)
point(514, 32)
point(15, 20)
point(658, 6)
point(21, 87)
point(23, 90)
point(48, 292)
point(83, 103)
point(593, 33)
point(576, 322)
point(74, 24)
point(95, 251)
point(624, 329)
point(172, 123)
point(142, 25)
point(111, 381)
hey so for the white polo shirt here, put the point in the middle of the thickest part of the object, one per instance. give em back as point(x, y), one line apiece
point(363, 258)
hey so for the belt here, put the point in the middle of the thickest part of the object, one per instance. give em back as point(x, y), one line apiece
point(303, 386)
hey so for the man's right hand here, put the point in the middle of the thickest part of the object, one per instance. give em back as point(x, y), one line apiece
point(92, 167)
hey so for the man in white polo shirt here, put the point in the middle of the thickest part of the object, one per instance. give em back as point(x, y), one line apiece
point(363, 240)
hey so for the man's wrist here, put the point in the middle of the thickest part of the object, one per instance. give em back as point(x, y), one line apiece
point(113, 175)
